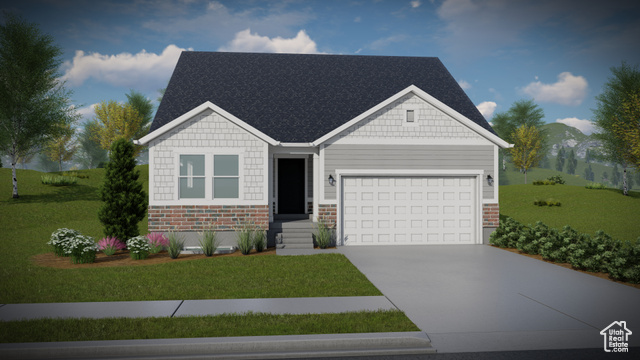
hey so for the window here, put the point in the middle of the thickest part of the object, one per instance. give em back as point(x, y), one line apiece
point(226, 179)
point(192, 177)
point(410, 114)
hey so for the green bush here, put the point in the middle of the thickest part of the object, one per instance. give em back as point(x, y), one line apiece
point(557, 245)
point(544, 182)
point(138, 247)
point(83, 249)
point(55, 180)
point(125, 203)
point(245, 239)
point(507, 233)
point(176, 244)
point(625, 265)
point(547, 202)
point(596, 186)
point(324, 235)
point(208, 242)
point(259, 239)
point(594, 254)
point(60, 241)
point(556, 179)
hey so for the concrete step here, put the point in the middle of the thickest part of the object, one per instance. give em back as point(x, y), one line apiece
point(296, 233)
point(295, 246)
point(304, 224)
point(308, 240)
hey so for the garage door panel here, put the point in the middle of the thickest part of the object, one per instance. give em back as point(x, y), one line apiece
point(409, 210)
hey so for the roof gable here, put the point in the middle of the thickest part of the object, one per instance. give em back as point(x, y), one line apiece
point(299, 97)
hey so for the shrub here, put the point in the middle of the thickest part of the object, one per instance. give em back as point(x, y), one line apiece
point(324, 235)
point(75, 174)
point(544, 182)
point(559, 250)
point(109, 245)
point(125, 203)
point(138, 247)
point(596, 186)
point(245, 239)
point(157, 242)
point(176, 244)
point(625, 266)
point(594, 254)
point(507, 233)
point(547, 202)
point(556, 179)
point(60, 240)
point(56, 180)
point(259, 239)
point(208, 242)
point(83, 249)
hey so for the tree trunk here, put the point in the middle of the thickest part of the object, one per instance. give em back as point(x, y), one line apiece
point(15, 179)
point(525, 176)
point(625, 191)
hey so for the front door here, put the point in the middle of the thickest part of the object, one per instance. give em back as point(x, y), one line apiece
point(291, 197)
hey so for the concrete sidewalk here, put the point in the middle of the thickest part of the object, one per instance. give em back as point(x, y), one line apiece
point(264, 347)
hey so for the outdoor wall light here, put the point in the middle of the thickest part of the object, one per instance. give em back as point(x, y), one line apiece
point(489, 180)
point(332, 181)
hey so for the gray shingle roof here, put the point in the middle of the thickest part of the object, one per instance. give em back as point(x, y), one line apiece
point(299, 98)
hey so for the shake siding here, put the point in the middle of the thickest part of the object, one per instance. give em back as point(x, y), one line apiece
point(412, 157)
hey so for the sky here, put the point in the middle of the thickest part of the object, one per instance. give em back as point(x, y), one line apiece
point(558, 53)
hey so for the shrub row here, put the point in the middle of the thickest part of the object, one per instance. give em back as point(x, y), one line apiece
point(543, 182)
point(600, 253)
point(547, 202)
point(56, 180)
point(596, 186)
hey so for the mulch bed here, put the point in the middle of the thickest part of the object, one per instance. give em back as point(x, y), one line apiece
point(568, 266)
point(121, 258)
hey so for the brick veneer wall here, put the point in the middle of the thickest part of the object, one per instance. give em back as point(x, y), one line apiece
point(490, 215)
point(202, 217)
point(328, 214)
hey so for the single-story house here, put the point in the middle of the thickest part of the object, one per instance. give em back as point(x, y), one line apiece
point(389, 150)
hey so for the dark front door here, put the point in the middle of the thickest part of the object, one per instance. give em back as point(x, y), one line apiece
point(291, 197)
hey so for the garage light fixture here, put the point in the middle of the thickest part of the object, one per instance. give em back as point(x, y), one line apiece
point(332, 181)
point(489, 180)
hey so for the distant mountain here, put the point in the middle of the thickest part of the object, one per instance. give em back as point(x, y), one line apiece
point(570, 138)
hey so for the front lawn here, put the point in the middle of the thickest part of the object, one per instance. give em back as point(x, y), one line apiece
point(585, 210)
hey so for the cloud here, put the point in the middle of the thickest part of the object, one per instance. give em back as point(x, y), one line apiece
point(568, 90)
point(87, 112)
point(144, 70)
point(465, 85)
point(245, 41)
point(415, 4)
point(357, 19)
point(487, 108)
point(384, 42)
point(587, 127)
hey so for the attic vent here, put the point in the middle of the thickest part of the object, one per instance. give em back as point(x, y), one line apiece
point(410, 118)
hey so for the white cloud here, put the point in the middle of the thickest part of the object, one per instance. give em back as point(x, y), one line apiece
point(487, 108)
point(87, 112)
point(357, 19)
point(384, 42)
point(143, 70)
point(245, 41)
point(416, 4)
point(587, 127)
point(464, 84)
point(568, 90)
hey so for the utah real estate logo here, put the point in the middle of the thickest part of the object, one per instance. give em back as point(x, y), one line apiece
point(616, 337)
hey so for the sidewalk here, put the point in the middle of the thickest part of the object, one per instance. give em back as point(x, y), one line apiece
point(291, 346)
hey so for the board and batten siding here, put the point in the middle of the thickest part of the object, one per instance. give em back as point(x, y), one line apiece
point(408, 157)
point(207, 131)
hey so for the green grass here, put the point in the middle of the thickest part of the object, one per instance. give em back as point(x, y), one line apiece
point(251, 324)
point(583, 209)
point(27, 224)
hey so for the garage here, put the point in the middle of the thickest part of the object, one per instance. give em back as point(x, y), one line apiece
point(405, 209)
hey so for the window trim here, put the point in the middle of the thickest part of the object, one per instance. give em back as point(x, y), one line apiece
point(416, 115)
point(214, 176)
point(191, 177)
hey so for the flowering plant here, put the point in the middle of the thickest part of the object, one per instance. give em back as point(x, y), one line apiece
point(60, 241)
point(83, 249)
point(138, 247)
point(157, 242)
point(109, 245)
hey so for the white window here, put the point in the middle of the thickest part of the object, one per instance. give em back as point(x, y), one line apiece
point(411, 116)
point(226, 177)
point(192, 177)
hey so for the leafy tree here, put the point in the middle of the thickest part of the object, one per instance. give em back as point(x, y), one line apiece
point(117, 121)
point(62, 147)
point(560, 159)
point(46, 164)
point(91, 153)
point(588, 173)
point(626, 126)
point(33, 101)
point(620, 88)
point(125, 203)
point(144, 107)
point(527, 149)
point(572, 162)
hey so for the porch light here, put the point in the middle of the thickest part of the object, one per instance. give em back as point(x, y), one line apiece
point(332, 181)
point(489, 180)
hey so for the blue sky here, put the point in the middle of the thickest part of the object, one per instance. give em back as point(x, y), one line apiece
point(553, 51)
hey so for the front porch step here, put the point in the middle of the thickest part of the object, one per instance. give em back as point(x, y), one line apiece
point(294, 233)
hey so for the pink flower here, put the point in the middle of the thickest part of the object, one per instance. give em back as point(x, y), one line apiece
point(109, 245)
point(157, 242)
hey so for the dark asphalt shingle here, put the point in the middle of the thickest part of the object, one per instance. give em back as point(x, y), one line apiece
point(298, 97)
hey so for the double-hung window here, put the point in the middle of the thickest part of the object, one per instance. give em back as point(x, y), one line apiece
point(226, 177)
point(192, 178)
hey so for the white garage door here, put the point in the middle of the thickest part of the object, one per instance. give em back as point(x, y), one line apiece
point(380, 210)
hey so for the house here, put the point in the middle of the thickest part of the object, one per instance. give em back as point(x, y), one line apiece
point(390, 150)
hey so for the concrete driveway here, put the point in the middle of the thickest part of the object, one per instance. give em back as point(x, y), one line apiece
point(480, 298)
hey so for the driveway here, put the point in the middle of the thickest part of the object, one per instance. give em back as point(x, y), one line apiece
point(480, 298)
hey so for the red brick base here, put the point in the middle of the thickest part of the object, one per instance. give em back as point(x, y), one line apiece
point(490, 215)
point(202, 217)
point(328, 214)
